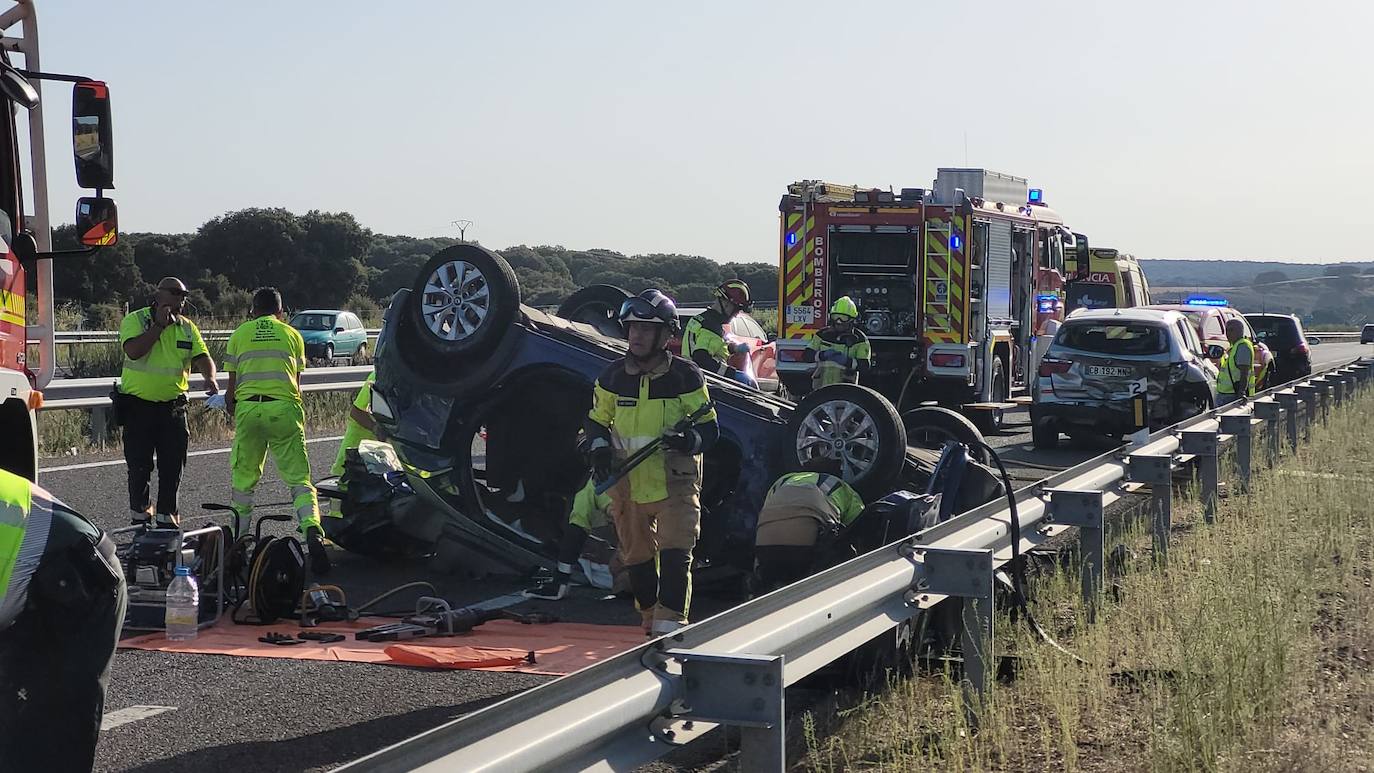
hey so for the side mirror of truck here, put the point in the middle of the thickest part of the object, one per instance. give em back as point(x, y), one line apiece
point(92, 135)
point(97, 221)
point(1080, 251)
point(17, 88)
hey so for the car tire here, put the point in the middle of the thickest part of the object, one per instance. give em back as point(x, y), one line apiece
point(855, 425)
point(598, 306)
point(462, 303)
point(931, 427)
point(1045, 435)
point(990, 422)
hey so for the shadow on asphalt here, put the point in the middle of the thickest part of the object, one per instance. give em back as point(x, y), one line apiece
point(323, 750)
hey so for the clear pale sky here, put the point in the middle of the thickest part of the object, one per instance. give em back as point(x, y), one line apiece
point(1168, 129)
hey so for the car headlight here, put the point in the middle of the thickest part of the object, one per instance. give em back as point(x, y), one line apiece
point(380, 408)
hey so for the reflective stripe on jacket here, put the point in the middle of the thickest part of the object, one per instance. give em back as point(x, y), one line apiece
point(630, 409)
point(1229, 376)
point(25, 514)
point(703, 342)
point(851, 344)
point(843, 503)
point(266, 356)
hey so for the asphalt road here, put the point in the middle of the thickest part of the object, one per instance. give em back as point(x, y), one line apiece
point(267, 714)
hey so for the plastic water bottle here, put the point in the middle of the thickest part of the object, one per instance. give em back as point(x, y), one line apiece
point(183, 606)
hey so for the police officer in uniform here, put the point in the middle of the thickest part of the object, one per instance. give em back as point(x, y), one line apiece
point(264, 359)
point(62, 603)
point(160, 348)
point(657, 506)
point(1237, 376)
point(841, 350)
point(703, 339)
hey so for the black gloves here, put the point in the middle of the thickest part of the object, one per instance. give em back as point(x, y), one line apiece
point(686, 442)
point(601, 460)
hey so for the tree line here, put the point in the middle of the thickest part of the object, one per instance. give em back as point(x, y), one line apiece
point(329, 260)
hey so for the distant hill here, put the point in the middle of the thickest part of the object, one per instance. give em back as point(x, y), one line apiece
point(1232, 273)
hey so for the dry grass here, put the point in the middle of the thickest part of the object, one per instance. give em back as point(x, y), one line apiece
point(67, 433)
point(1250, 652)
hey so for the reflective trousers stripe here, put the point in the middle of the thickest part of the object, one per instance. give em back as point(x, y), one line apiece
point(26, 560)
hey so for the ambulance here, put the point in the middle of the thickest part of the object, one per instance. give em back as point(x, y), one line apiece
point(1108, 279)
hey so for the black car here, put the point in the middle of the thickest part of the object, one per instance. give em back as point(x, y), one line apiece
point(1282, 333)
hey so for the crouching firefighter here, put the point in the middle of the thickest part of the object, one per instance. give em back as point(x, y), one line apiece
point(62, 603)
point(798, 511)
point(841, 350)
point(656, 507)
point(703, 339)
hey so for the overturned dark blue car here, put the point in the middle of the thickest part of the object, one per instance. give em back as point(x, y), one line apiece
point(482, 398)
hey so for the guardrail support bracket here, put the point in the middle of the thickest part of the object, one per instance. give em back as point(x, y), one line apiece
point(967, 574)
point(741, 690)
point(1273, 413)
point(1204, 445)
point(1158, 471)
point(1084, 509)
point(1241, 427)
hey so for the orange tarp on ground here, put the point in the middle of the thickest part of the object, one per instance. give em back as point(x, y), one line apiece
point(559, 648)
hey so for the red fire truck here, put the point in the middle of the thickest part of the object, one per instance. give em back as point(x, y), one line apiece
point(953, 284)
point(26, 230)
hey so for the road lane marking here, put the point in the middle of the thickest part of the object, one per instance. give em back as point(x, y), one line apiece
point(114, 719)
point(206, 452)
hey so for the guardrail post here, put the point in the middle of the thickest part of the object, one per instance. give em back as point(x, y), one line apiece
point(741, 690)
point(1311, 397)
point(1295, 406)
point(1157, 470)
point(1273, 414)
point(100, 425)
point(967, 574)
point(1203, 444)
point(1083, 509)
point(1240, 426)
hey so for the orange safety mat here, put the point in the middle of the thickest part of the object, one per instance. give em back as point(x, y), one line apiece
point(500, 645)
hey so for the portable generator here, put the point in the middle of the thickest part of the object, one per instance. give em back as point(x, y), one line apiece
point(149, 561)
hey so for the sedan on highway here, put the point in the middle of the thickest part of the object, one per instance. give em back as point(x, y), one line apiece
point(331, 333)
point(1102, 362)
point(1283, 334)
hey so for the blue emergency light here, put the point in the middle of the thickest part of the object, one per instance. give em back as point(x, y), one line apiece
point(955, 242)
point(792, 239)
point(1046, 302)
point(1203, 300)
point(1037, 196)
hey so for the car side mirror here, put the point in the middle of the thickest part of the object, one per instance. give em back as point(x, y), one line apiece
point(97, 221)
point(1313, 341)
point(1215, 352)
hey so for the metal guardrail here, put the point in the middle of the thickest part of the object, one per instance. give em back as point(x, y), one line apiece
point(731, 669)
point(112, 336)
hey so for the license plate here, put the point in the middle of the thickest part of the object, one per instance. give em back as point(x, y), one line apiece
point(1108, 370)
point(800, 315)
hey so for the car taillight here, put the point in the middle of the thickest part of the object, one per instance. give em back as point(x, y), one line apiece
point(1052, 367)
point(1299, 349)
point(947, 360)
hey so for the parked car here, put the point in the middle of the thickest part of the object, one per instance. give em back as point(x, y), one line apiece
point(598, 305)
point(331, 333)
point(1367, 334)
point(459, 354)
point(1101, 360)
point(1284, 336)
point(1209, 320)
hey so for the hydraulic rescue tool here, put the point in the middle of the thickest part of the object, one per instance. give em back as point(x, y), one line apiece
point(639, 457)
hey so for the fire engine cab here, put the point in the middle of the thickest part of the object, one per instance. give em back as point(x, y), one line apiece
point(25, 231)
point(953, 284)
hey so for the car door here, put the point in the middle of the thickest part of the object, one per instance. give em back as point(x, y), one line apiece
point(353, 329)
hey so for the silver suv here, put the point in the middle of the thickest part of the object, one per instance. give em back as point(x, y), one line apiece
point(1101, 360)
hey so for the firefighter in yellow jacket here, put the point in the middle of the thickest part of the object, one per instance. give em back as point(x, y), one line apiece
point(657, 506)
point(799, 508)
point(264, 359)
point(62, 603)
point(841, 350)
point(703, 338)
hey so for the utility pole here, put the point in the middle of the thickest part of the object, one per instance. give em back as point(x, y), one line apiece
point(462, 226)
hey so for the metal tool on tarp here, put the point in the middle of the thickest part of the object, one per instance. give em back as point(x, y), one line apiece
point(435, 617)
point(640, 456)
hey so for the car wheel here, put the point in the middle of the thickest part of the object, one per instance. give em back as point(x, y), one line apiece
point(463, 301)
point(329, 354)
point(932, 427)
point(598, 306)
point(990, 422)
point(856, 427)
point(360, 356)
point(1045, 435)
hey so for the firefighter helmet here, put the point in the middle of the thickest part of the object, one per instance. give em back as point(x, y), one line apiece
point(845, 307)
point(650, 306)
point(735, 291)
